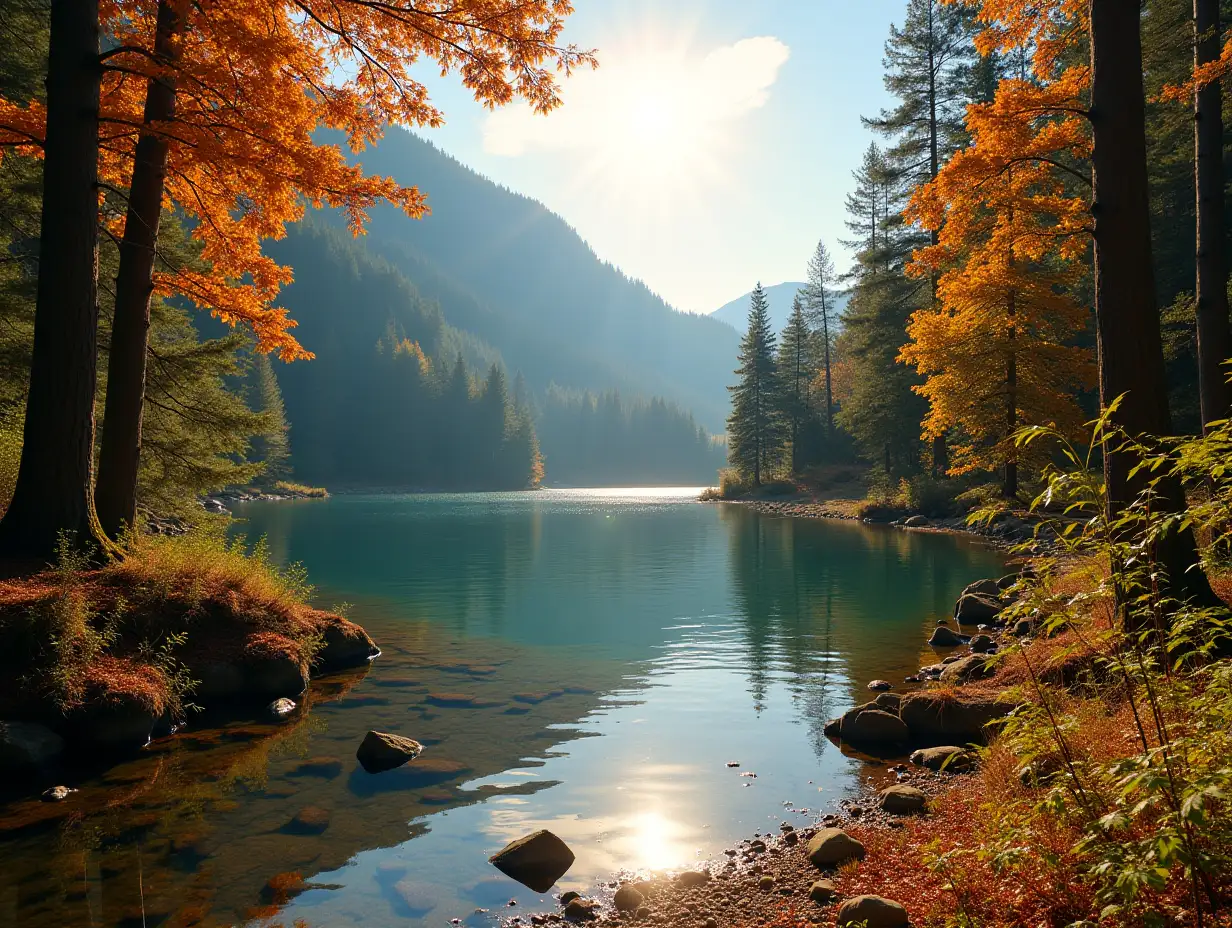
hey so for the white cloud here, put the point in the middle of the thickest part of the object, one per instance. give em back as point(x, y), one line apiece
point(641, 93)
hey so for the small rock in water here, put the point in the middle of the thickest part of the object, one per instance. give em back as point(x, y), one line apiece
point(537, 860)
point(310, 820)
point(733, 763)
point(57, 794)
point(749, 773)
point(566, 898)
point(881, 685)
point(280, 708)
point(982, 644)
point(580, 910)
point(382, 751)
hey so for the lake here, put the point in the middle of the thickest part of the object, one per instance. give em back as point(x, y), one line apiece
point(587, 661)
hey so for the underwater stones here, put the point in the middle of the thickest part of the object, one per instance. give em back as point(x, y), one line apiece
point(381, 751)
point(310, 820)
point(324, 767)
point(461, 701)
point(537, 860)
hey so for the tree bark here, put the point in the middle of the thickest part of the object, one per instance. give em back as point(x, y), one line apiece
point(115, 496)
point(1009, 488)
point(53, 491)
point(1131, 360)
point(1214, 334)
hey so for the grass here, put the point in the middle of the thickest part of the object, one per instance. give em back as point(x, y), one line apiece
point(73, 635)
point(301, 489)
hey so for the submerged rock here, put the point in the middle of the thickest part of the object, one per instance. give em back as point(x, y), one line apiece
point(381, 751)
point(537, 860)
point(880, 685)
point(871, 912)
point(832, 846)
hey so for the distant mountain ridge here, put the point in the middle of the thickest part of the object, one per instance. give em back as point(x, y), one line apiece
point(506, 270)
point(779, 296)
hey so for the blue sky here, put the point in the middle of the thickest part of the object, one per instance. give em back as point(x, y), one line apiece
point(712, 148)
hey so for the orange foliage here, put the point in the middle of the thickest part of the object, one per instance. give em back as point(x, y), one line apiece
point(256, 80)
point(997, 348)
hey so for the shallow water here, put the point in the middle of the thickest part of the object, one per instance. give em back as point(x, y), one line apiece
point(581, 660)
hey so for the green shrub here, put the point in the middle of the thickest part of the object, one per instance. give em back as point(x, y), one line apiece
point(733, 484)
point(928, 495)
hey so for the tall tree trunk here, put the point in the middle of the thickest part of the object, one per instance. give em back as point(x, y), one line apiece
point(1131, 360)
point(1214, 334)
point(120, 449)
point(825, 334)
point(940, 450)
point(1009, 487)
point(53, 490)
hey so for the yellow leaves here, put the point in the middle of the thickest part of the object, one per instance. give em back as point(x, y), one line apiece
point(256, 81)
point(1203, 76)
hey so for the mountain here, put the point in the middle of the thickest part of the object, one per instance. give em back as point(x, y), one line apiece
point(515, 276)
point(736, 313)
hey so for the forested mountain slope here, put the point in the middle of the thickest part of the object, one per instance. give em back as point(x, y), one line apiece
point(515, 275)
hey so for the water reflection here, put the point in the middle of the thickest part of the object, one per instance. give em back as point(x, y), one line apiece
point(584, 662)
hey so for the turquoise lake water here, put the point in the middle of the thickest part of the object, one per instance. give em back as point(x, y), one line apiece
point(581, 660)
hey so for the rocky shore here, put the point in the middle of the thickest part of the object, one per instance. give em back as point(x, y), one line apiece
point(835, 872)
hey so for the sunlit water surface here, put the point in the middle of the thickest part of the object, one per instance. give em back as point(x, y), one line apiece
point(581, 660)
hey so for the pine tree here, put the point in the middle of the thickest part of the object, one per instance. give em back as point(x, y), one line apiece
point(755, 432)
point(795, 376)
point(928, 69)
point(271, 447)
point(819, 300)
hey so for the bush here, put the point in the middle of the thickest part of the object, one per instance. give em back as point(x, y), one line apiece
point(928, 495)
point(300, 489)
point(733, 484)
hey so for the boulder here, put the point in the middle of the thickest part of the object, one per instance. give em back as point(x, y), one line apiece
point(117, 722)
point(946, 637)
point(537, 860)
point(346, 645)
point(871, 912)
point(868, 724)
point(971, 667)
point(901, 799)
point(889, 702)
point(27, 746)
point(833, 846)
point(581, 910)
point(823, 891)
point(974, 608)
point(983, 644)
point(381, 751)
point(950, 758)
point(916, 521)
point(985, 587)
point(941, 719)
point(628, 899)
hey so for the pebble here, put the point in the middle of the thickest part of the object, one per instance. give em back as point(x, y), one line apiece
point(57, 794)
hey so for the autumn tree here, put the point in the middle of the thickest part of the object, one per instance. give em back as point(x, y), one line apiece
point(998, 348)
point(820, 303)
point(755, 428)
point(212, 107)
